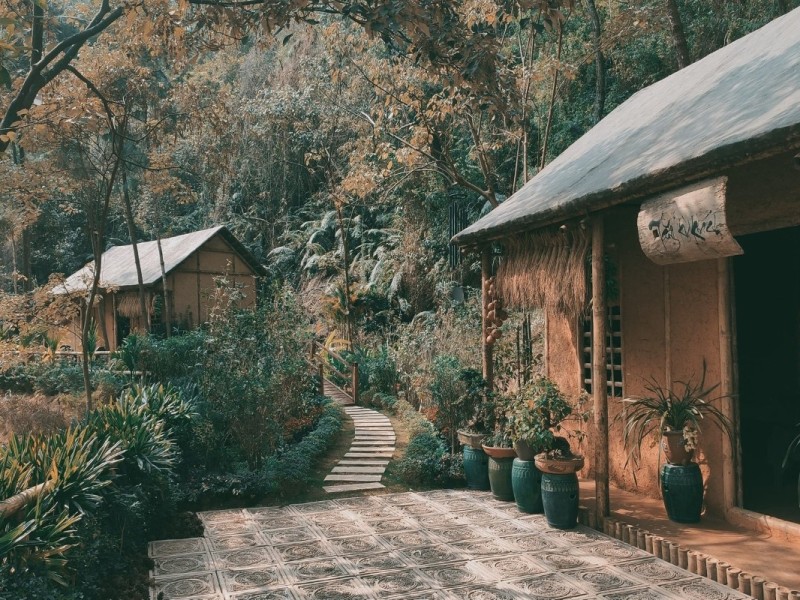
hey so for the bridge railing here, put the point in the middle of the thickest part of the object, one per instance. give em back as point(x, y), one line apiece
point(341, 371)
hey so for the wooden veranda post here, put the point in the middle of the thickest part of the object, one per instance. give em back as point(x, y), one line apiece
point(599, 390)
point(356, 383)
point(487, 361)
point(730, 448)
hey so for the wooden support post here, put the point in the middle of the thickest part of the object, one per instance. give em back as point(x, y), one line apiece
point(727, 391)
point(487, 360)
point(599, 392)
point(355, 383)
point(321, 369)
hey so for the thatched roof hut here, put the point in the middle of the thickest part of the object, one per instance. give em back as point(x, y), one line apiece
point(191, 262)
point(690, 182)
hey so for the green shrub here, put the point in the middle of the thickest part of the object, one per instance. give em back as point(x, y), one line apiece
point(148, 448)
point(378, 371)
point(284, 474)
point(109, 488)
point(427, 461)
point(175, 359)
point(77, 468)
point(458, 395)
point(16, 379)
point(58, 377)
point(254, 380)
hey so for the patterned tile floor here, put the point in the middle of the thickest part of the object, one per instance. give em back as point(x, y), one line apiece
point(447, 544)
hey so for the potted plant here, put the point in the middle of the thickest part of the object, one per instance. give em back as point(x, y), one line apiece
point(675, 416)
point(480, 425)
point(480, 401)
point(534, 414)
point(498, 447)
point(501, 458)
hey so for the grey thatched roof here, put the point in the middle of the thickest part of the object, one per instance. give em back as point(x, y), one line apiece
point(118, 269)
point(736, 104)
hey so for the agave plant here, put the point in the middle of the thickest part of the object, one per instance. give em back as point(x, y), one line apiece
point(164, 402)
point(41, 541)
point(75, 464)
point(148, 447)
point(12, 535)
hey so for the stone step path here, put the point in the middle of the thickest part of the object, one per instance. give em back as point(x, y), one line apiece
point(373, 446)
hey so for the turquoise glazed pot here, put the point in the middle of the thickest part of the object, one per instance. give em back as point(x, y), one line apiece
point(682, 487)
point(560, 499)
point(476, 468)
point(526, 481)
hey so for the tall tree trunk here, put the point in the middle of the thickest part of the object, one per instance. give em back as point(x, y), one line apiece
point(144, 314)
point(97, 225)
point(167, 310)
point(14, 278)
point(599, 62)
point(27, 271)
point(678, 34)
point(549, 126)
point(101, 311)
point(346, 255)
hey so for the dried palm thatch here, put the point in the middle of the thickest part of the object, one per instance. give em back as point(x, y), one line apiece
point(545, 269)
point(128, 306)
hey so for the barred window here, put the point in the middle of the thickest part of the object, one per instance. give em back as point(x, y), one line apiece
point(613, 352)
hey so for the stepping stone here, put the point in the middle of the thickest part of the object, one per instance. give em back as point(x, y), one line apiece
point(369, 455)
point(353, 487)
point(364, 470)
point(354, 478)
point(384, 443)
point(373, 444)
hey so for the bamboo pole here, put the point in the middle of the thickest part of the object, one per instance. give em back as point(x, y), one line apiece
point(667, 331)
point(487, 359)
point(599, 391)
point(356, 383)
point(726, 387)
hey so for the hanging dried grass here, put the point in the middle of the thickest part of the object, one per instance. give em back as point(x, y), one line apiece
point(128, 306)
point(545, 269)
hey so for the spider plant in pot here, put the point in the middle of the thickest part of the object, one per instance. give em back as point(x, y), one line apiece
point(674, 414)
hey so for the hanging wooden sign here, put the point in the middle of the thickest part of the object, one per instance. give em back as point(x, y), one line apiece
point(687, 224)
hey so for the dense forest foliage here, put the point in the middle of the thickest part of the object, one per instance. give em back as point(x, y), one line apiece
point(313, 134)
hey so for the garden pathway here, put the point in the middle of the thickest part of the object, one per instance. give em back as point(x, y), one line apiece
point(373, 445)
point(440, 545)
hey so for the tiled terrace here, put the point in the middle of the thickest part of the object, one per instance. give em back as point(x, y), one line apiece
point(437, 545)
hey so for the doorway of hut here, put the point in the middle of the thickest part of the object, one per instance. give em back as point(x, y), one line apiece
point(767, 289)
